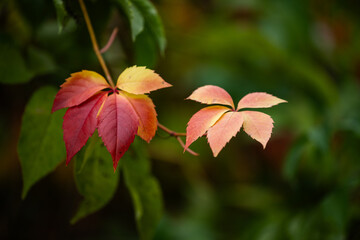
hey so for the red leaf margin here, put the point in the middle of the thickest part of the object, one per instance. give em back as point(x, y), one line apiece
point(90, 107)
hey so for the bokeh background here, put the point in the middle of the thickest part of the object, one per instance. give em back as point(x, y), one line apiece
point(304, 185)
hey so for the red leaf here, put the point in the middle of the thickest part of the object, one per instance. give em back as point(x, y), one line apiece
point(117, 125)
point(78, 88)
point(201, 121)
point(226, 128)
point(210, 94)
point(258, 125)
point(80, 123)
point(145, 111)
point(140, 80)
point(259, 100)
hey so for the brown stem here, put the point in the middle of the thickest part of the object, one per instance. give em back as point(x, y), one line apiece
point(187, 149)
point(177, 136)
point(94, 43)
point(170, 132)
point(111, 40)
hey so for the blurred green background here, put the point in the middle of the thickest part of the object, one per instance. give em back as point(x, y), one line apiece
point(304, 185)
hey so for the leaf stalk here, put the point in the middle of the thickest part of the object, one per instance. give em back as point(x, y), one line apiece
point(177, 135)
point(95, 44)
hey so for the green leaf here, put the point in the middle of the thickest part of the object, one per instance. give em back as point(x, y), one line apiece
point(94, 177)
point(293, 158)
point(62, 15)
point(40, 62)
point(41, 147)
point(12, 65)
point(152, 21)
point(145, 50)
point(144, 189)
point(136, 20)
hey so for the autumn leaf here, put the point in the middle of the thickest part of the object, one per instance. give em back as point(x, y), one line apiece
point(202, 121)
point(221, 123)
point(210, 94)
point(117, 126)
point(78, 88)
point(80, 123)
point(140, 80)
point(227, 127)
point(258, 100)
point(118, 113)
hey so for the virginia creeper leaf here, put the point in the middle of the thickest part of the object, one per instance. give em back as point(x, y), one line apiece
point(78, 88)
point(258, 125)
point(95, 180)
point(140, 80)
point(117, 125)
point(118, 115)
point(152, 21)
point(210, 94)
point(144, 189)
point(201, 121)
point(136, 19)
point(80, 123)
point(145, 111)
point(40, 146)
point(259, 100)
point(221, 128)
point(13, 67)
point(226, 128)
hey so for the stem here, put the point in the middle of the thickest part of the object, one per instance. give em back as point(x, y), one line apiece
point(95, 44)
point(177, 136)
point(170, 132)
point(111, 40)
point(188, 149)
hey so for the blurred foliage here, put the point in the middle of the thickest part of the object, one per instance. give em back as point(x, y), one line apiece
point(304, 185)
point(95, 180)
point(144, 188)
point(41, 147)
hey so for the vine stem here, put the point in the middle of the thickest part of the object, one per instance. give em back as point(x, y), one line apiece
point(95, 44)
point(177, 135)
point(170, 132)
point(111, 40)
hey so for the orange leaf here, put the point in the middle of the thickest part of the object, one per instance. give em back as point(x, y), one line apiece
point(145, 111)
point(258, 125)
point(210, 94)
point(140, 80)
point(201, 121)
point(226, 128)
point(259, 100)
point(80, 123)
point(117, 125)
point(78, 88)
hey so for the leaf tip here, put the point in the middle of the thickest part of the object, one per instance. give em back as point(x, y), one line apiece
point(24, 193)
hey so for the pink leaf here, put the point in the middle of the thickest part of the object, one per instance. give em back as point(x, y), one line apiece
point(140, 80)
point(80, 123)
point(259, 100)
point(117, 126)
point(210, 94)
point(201, 121)
point(145, 111)
point(78, 88)
point(258, 125)
point(226, 128)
